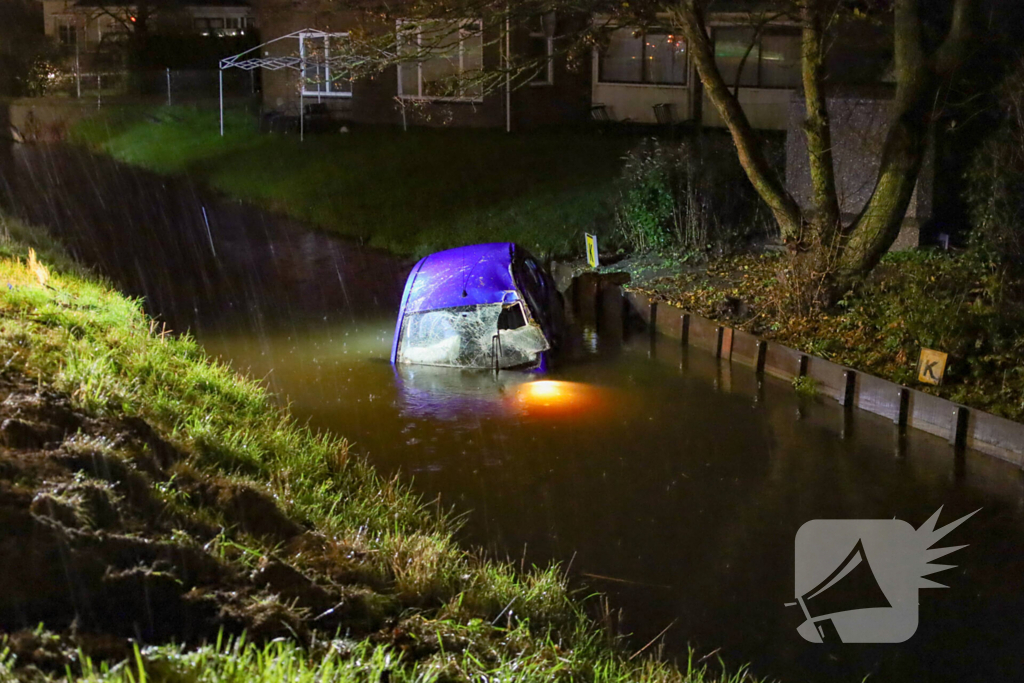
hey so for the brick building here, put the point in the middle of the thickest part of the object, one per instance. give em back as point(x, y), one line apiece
point(413, 93)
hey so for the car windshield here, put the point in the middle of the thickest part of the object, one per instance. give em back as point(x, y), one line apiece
point(461, 336)
point(464, 336)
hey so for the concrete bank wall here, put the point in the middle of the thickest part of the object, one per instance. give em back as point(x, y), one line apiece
point(963, 427)
point(46, 119)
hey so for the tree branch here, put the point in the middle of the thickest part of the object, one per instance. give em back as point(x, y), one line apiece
point(951, 51)
point(758, 28)
point(751, 155)
point(907, 46)
point(817, 126)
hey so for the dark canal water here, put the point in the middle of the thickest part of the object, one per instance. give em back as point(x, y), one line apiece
point(670, 482)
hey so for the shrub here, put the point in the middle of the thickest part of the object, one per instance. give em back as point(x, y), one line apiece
point(653, 179)
point(688, 196)
point(995, 179)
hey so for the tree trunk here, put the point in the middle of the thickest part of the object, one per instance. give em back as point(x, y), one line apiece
point(748, 147)
point(919, 80)
point(854, 251)
point(826, 221)
point(878, 225)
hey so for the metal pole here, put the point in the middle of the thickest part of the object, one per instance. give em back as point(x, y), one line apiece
point(252, 81)
point(168, 86)
point(302, 118)
point(221, 75)
point(508, 79)
point(99, 90)
point(78, 68)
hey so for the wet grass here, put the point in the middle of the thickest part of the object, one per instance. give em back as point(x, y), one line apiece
point(411, 193)
point(341, 661)
point(448, 613)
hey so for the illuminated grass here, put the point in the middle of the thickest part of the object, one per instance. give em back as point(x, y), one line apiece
point(343, 661)
point(411, 193)
point(451, 614)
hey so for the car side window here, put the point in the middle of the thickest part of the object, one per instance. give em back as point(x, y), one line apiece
point(534, 273)
point(532, 282)
point(512, 317)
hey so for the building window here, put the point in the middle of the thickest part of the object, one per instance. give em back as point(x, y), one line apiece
point(203, 26)
point(232, 26)
point(772, 59)
point(541, 50)
point(319, 77)
point(445, 60)
point(652, 58)
point(215, 26)
point(67, 31)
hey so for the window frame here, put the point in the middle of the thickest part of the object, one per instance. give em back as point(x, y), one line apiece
point(67, 27)
point(205, 27)
point(303, 37)
point(791, 31)
point(548, 72)
point(643, 54)
point(475, 32)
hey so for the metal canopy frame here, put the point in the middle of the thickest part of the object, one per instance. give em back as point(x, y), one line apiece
point(252, 59)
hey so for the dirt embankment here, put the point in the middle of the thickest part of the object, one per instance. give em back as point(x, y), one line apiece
point(108, 535)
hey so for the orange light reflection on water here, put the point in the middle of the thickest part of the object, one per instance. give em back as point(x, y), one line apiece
point(549, 396)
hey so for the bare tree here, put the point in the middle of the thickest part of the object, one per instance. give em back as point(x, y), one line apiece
point(133, 19)
point(923, 69)
point(383, 38)
point(921, 74)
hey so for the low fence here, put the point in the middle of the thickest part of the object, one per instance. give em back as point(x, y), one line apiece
point(961, 426)
point(169, 86)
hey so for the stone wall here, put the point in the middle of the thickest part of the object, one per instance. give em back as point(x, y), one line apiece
point(45, 119)
point(860, 122)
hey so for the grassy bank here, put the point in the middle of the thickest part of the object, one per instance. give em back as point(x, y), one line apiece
point(155, 506)
point(411, 193)
point(954, 302)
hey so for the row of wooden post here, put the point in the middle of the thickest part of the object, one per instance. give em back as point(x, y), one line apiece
point(957, 436)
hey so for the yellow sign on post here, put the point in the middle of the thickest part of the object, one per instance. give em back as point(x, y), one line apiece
point(592, 250)
point(932, 366)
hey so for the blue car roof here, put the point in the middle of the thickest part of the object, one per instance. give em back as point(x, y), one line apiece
point(465, 276)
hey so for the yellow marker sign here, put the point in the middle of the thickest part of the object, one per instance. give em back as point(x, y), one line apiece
point(931, 367)
point(592, 250)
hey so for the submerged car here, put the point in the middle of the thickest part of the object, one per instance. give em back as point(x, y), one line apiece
point(481, 306)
